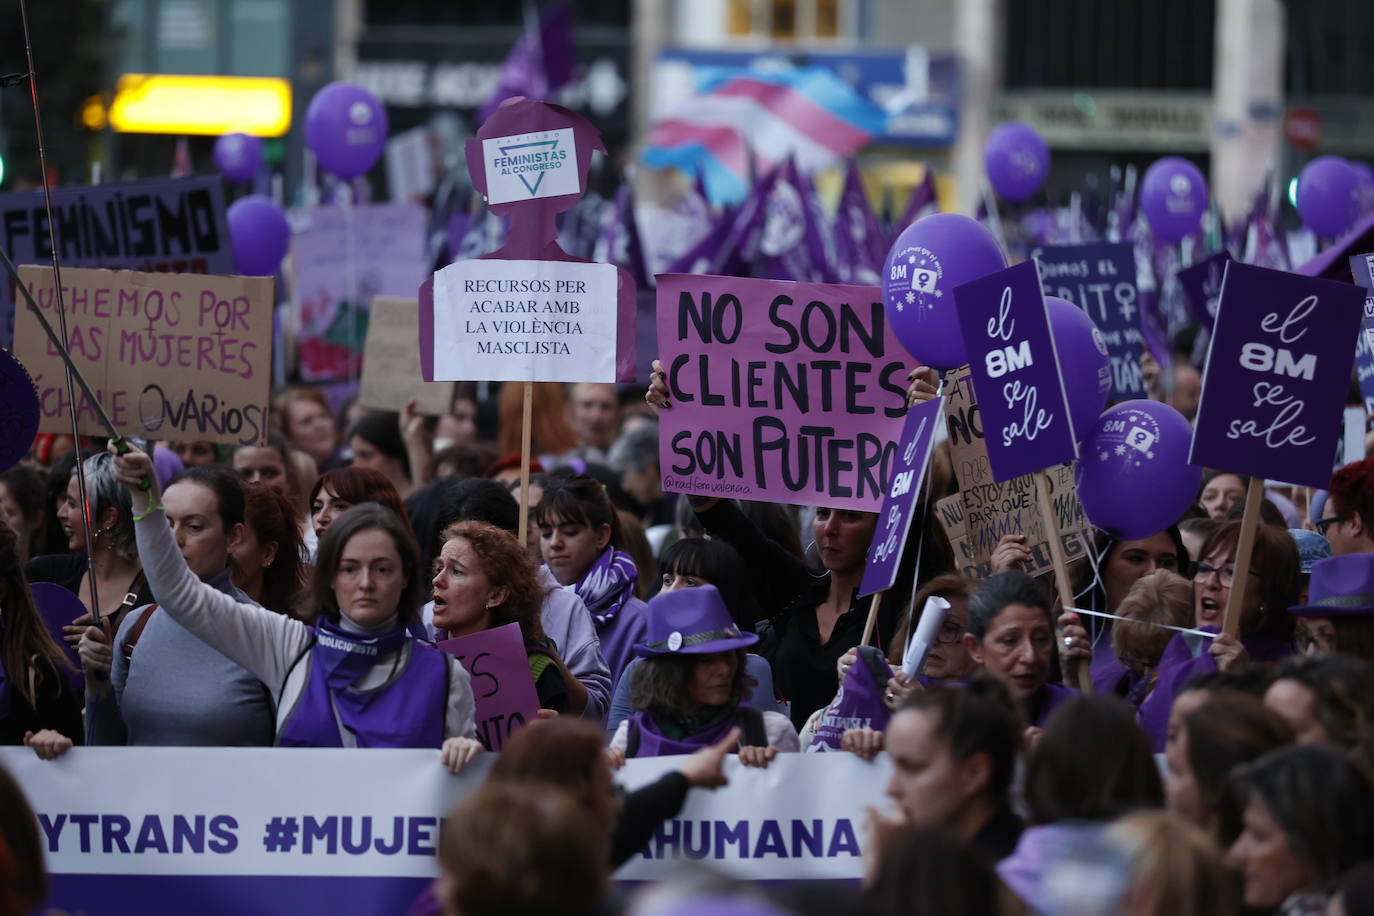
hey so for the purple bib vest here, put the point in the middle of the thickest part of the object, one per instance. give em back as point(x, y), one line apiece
point(408, 711)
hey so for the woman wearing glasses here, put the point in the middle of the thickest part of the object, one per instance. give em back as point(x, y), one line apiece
point(1266, 627)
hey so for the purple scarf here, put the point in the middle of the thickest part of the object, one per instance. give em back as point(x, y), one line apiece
point(608, 585)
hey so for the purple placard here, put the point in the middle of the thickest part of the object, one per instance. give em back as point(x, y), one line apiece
point(1362, 269)
point(1201, 284)
point(1100, 279)
point(779, 391)
point(18, 410)
point(894, 519)
point(58, 607)
point(1015, 371)
point(501, 681)
point(1277, 373)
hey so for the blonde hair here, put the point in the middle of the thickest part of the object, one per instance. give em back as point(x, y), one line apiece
point(1160, 597)
point(1176, 869)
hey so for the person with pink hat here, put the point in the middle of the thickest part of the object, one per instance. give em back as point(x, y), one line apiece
point(689, 691)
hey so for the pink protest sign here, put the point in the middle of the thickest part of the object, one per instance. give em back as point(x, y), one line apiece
point(779, 391)
point(501, 681)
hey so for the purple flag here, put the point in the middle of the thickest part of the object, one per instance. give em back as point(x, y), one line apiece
point(540, 64)
point(1015, 371)
point(859, 249)
point(1201, 283)
point(779, 235)
point(579, 229)
point(923, 202)
point(619, 242)
point(894, 518)
point(1277, 373)
point(714, 254)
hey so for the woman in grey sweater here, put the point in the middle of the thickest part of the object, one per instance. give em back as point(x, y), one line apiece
point(357, 678)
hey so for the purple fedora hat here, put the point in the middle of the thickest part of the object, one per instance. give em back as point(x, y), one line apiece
point(1341, 586)
point(692, 621)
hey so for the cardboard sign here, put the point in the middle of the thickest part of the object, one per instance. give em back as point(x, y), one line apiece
point(391, 370)
point(894, 518)
point(780, 391)
point(341, 259)
point(525, 321)
point(1201, 284)
point(1100, 279)
point(180, 357)
point(1277, 373)
point(989, 509)
point(1023, 405)
point(164, 225)
point(501, 681)
point(542, 163)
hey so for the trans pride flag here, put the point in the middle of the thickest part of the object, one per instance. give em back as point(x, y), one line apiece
point(741, 121)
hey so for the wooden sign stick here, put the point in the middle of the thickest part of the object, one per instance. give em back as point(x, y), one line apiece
point(1061, 564)
point(524, 524)
point(1254, 495)
point(872, 620)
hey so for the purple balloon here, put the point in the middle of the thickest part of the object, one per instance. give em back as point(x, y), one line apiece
point(1133, 475)
point(20, 412)
point(345, 127)
point(1083, 362)
point(260, 234)
point(1017, 160)
point(238, 156)
point(931, 257)
point(1329, 196)
point(1173, 196)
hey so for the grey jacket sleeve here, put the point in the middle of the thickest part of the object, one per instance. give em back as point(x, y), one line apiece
point(569, 624)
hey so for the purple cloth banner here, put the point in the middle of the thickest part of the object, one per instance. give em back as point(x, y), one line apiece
point(859, 249)
point(1015, 370)
point(1277, 372)
point(779, 391)
point(1201, 283)
point(1100, 279)
point(894, 518)
point(501, 681)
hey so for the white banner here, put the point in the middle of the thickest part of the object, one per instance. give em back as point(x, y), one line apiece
point(525, 321)
point(266, 816)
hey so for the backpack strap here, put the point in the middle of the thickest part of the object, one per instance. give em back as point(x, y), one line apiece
point(631, 737)
point(752, 730)
point(137, 630)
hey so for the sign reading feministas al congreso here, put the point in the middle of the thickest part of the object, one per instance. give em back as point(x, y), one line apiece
point(779, 391)
point(514, 321)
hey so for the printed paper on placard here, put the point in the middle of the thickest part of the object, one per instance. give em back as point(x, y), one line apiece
point(526, 166)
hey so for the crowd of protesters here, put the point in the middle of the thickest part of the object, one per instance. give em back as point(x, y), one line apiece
point(291, 594)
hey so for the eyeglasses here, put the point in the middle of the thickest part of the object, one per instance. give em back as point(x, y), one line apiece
point(950, 632)
point(1322, 525)
point(1227, 573)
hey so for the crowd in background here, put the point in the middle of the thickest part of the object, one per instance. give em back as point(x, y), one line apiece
point(291, 594)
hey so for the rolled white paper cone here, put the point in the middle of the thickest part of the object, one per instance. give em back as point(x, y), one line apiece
point(927, 628)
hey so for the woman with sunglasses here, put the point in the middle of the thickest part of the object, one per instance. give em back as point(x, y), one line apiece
point(1266, 627)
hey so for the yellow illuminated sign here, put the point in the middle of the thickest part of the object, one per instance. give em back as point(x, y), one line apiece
point(210, 105)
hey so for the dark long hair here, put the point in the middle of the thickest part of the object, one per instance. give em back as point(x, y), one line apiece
point(579, 498)
point(368, 517)
point(716, 563)
point(271, 515)
point(24, 639)
point(1230, 729)
point(659, 683)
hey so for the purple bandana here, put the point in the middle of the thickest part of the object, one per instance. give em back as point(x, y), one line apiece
point(344, 657)
point(859, 704)
point(608, 585)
